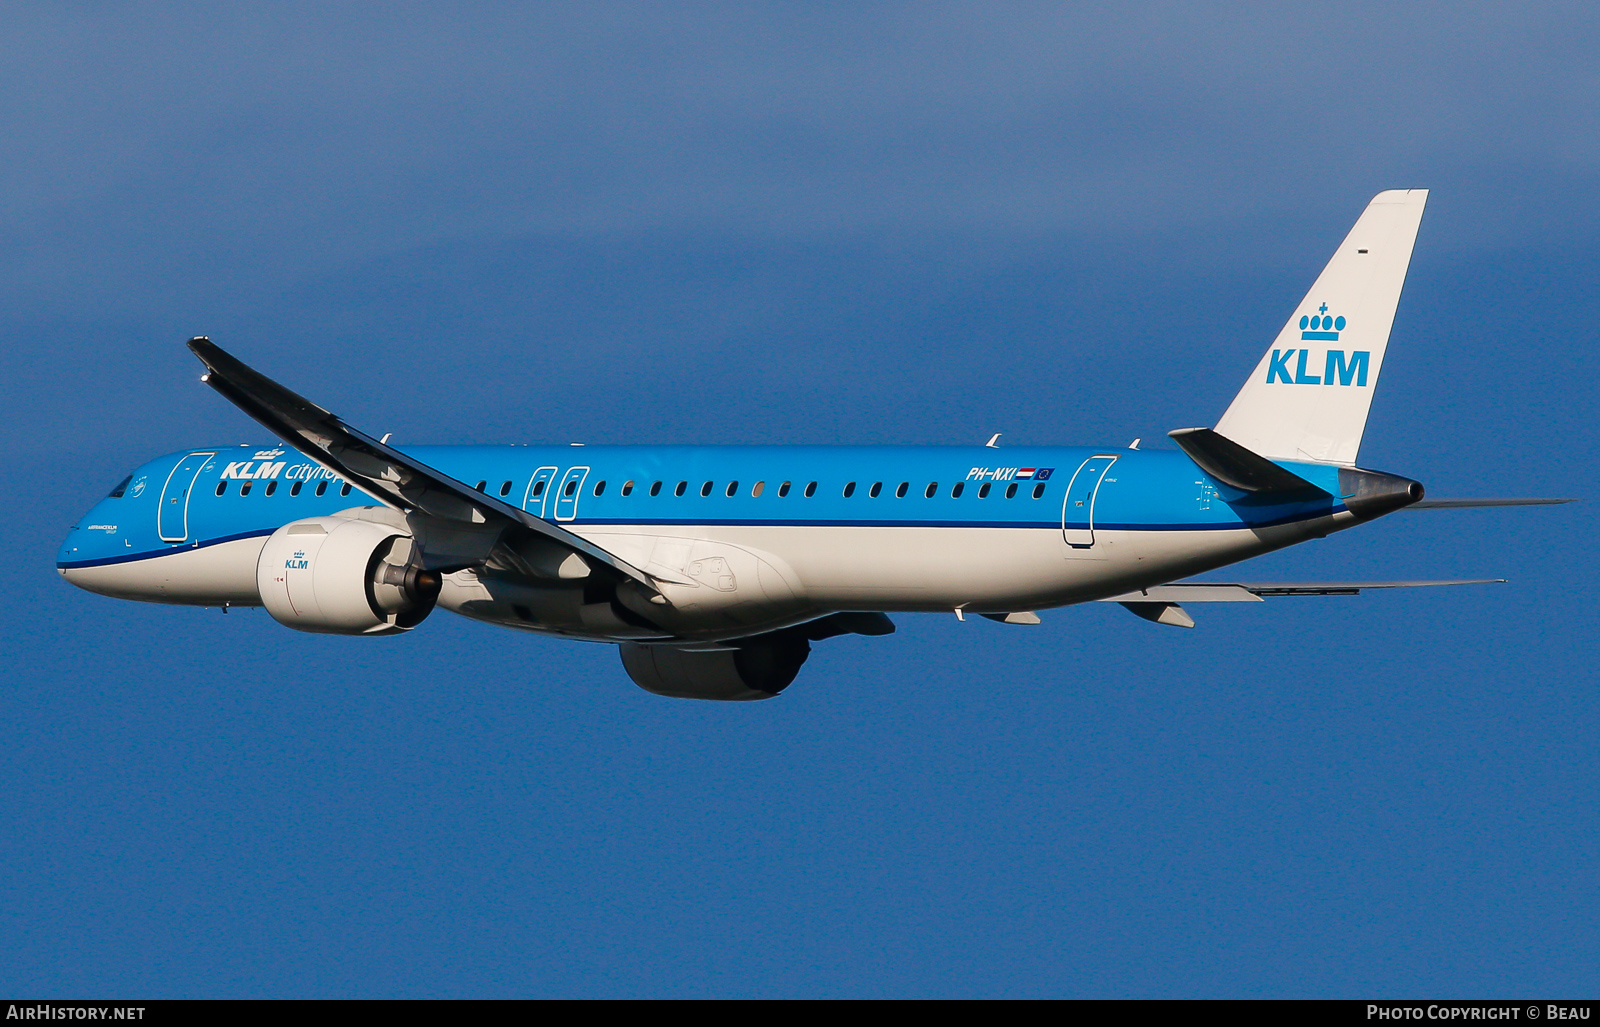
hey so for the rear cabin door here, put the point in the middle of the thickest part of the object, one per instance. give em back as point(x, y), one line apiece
point(1077, 510)
point(173, 520)
point(571, 491)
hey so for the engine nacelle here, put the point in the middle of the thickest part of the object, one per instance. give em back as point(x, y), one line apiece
point(758, 671)
point(344, 577)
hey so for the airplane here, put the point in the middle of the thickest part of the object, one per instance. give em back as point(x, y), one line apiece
point(714, 569)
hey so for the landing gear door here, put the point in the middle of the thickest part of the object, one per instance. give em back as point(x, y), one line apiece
point(539, 490)
point(1077, 510)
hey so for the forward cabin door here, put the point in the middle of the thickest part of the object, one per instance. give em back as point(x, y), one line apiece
point(173, 520)
point(1077, 510)
point(539, 490)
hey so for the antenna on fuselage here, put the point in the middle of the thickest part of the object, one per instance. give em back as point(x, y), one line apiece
point(994, 441)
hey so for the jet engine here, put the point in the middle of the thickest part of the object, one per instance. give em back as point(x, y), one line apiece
point(757, 671)
point(345, 577)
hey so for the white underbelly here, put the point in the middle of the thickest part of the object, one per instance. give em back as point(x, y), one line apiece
point(942, 568)
point(202, 576)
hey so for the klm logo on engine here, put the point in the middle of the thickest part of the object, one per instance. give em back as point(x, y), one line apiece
point(1295, 366)
point(297, 562)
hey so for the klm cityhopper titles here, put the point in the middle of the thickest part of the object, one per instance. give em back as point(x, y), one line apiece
point(715, 568)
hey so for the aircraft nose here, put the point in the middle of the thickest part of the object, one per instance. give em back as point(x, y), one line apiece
point(70, 551)
point(70, 557)
point(94, 542)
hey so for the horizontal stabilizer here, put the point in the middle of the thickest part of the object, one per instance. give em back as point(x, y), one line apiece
point(1255, 592)
point(1232, 464)
point(1472, 504)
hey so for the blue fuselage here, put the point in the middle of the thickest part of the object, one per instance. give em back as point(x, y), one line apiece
point(866, 528)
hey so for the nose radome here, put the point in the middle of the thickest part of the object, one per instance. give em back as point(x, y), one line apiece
point(97, 538)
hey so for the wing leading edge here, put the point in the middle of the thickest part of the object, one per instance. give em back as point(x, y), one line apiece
point(398, 480)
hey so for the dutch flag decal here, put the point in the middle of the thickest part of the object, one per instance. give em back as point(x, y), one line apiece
point(1025, 472)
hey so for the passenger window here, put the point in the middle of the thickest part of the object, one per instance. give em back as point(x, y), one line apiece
point(1011, 491)
point(294, 490)
point(244, 490)
point(733, 487)
point(850, 490)
point(122, 486)
point(783, 490)
point(705, 490)
point(983, 491)
point(757, 489)
point(222, 487)
point(599, 487)
point(272, 487)
point(900, 493)
point(683, 487)
point(957, 489)
point(876, 488)
point(811, 490)
point(655, 490)
point(322, 487)
point(1038, 490)
point(627, 488)
point(933, 489)
point(538, 487)
point(505, 488)
point(344, 490)
point(572, 487)
point(481, 485)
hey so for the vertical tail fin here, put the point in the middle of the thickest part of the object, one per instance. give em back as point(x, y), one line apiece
point(1309, 396)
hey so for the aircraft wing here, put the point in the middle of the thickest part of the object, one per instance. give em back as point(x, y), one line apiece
point(1258, 591)
point(398, 480)
point(1163, 604)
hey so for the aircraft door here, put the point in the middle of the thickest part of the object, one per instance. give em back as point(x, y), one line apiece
point(569, 494)
point(172, 522)
point(1077, 510)
point(538, 493)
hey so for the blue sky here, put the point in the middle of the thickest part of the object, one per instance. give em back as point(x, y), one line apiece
point(781, 224)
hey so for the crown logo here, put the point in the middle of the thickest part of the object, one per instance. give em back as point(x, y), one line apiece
point(1319, 327)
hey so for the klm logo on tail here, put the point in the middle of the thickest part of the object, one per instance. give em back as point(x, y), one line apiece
point(1320, 326)
point(1336, 369)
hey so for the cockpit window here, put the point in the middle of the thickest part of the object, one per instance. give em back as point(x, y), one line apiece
point(122, 486)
